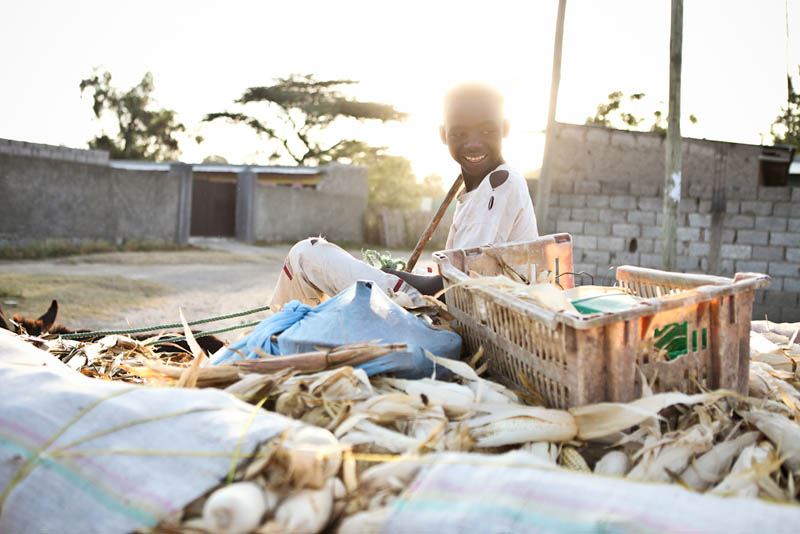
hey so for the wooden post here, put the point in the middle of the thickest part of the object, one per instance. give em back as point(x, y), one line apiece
point(672, 163)
point(543, 189)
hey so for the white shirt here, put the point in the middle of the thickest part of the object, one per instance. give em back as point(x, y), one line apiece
point(494, 213)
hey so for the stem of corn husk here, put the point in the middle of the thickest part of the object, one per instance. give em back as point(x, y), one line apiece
point(311, 362)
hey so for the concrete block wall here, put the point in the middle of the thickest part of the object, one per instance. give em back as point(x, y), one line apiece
point(585, 152)
point(757, 229)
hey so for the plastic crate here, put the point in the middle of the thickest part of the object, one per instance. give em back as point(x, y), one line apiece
point(690, 331)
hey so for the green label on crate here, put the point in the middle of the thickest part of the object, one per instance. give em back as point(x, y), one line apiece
point(674, 339)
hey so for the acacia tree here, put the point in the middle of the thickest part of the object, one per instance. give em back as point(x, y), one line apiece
point(299, 108)
point(786, 128)
point(614, 114)
point(145, 132)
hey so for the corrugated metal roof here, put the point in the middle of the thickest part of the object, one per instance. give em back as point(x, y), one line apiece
point(216, 167)
point(258, 169)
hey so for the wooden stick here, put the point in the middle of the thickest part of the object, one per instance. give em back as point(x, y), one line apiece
point(437, 217)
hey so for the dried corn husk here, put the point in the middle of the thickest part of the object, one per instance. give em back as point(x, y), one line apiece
point(306, 511)
point(510, 425)
point(235, 509)
point(606, 418)
point(314, 456)
point(754, 464)
point(662, 458)
point(614, 463)
point(783, 432)
point(395, 474)
point(545, 294)
point(543, 450)
point(483, 390)
point(454, 398)
point(708, 468)
point(764, 383)
point(369, 435)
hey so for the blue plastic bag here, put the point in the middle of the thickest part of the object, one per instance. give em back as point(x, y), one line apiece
point(363, 312)
point(261, 335)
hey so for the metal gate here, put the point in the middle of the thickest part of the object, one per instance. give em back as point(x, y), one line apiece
point(213, 205)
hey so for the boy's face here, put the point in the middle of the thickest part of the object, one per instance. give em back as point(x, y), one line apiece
point(473, 130)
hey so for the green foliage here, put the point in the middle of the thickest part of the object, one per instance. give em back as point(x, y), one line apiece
point(786, 128)
point(144, 133)
point(615, 114)
point(299, 108)
point(391, 181)
point(432, 186)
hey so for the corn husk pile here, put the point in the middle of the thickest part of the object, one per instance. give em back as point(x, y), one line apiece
point(369, 437)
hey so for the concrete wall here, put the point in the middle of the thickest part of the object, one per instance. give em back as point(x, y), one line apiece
point(727, 223)
point(49, 192)
point(43, 198)
point(403, 228)
point(335, 209)
point(61, 153)
point(606, 155)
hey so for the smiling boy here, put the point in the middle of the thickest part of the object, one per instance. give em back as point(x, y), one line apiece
point(494, 207)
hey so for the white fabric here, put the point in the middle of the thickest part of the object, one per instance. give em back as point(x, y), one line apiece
point(510, 217)
point(315, 268)
point(457, 493)
point(111, 457)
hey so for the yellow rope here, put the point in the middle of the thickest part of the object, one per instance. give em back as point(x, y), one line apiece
point(236, 453)
point(30, 464)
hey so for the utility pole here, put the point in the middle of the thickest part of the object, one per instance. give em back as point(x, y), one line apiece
point(672, 163)
point(543, 189)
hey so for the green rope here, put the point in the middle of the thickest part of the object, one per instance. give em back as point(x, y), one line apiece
point(203, 334)
point(80, 335)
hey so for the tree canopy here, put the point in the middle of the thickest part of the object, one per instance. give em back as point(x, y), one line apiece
point(298, 108)
point(391, 181)
point(786, 128)
point(145, 132)
point(616, 114)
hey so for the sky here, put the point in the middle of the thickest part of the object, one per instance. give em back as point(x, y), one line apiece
point(203, 55)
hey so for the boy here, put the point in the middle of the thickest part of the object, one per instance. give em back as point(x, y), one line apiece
point(494, 207)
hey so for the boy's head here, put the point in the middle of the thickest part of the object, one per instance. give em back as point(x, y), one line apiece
point(474, 127)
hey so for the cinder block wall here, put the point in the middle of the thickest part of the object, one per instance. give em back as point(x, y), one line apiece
point(618, 223)
point(607, 193)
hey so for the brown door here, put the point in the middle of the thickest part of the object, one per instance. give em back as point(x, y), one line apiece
point(213, 206)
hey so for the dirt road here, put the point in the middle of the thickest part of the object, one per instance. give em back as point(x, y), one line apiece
point(223, 276)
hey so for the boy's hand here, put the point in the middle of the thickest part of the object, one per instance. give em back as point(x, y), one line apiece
point(425, 284)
